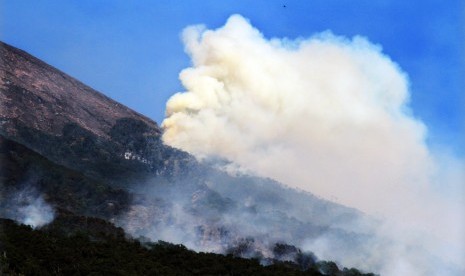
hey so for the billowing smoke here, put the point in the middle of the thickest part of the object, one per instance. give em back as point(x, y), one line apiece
point(328, 115)
point(28, 207)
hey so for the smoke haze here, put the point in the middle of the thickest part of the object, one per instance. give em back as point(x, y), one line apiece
point(28, 207)
point(328, 115)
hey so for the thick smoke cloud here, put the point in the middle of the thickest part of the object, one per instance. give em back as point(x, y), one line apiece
point(333, 109)
point(327, 115)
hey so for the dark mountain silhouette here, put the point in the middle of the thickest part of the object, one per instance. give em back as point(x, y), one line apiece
point(98, 163)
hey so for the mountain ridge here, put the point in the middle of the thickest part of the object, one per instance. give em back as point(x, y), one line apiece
point(27, 72)
point(59, 117)
point(69, 146)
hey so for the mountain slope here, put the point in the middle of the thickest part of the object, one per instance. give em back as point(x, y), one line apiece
point(73, 125)
point(112, 254)
point(53, 99)
point(66, 148)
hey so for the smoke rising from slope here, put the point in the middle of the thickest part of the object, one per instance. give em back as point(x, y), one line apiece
point(327, 115)
point(214, 212)
point(28, 207)
point(310, 103)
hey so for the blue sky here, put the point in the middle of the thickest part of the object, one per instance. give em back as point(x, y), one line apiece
point(132, 52)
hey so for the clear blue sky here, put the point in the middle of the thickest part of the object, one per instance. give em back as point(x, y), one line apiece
point(132, 52)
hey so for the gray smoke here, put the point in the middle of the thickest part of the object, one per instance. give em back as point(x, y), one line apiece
point(28, 206)
point(240, 214)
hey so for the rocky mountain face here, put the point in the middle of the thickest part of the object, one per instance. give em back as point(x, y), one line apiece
point(69, 150)
point(41, 97)
point(73, 125)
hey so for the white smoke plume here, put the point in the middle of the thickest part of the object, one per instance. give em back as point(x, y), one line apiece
point(327, 115)
point(28, 207)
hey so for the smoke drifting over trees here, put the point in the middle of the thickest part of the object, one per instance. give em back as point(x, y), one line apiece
point(28, 206)
point(308, 152)
point(328, 115)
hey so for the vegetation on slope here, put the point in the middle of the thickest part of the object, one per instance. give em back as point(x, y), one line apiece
point(102, 249)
